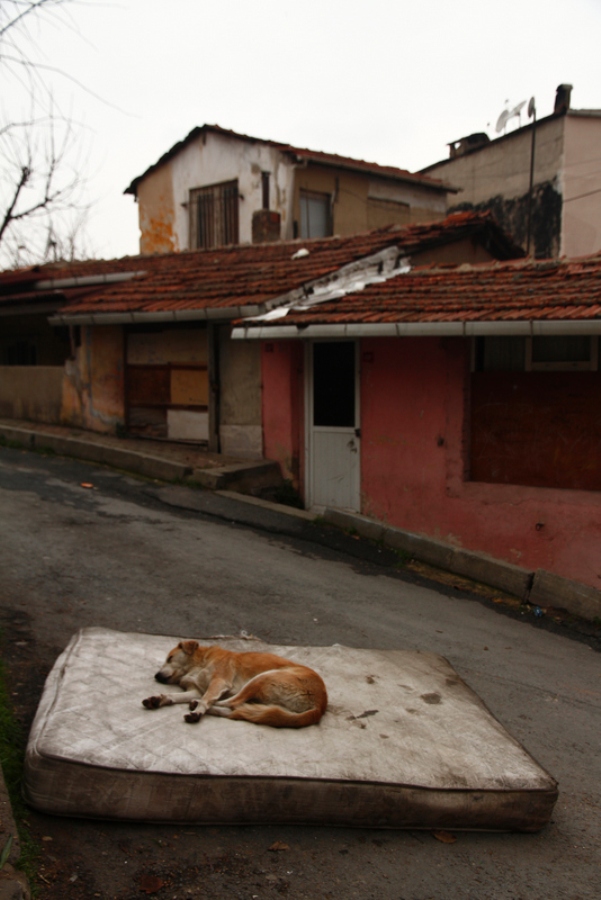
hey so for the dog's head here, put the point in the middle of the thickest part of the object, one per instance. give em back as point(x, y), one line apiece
point(178, 663)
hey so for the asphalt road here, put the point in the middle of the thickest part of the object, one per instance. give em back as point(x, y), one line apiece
point(116, 555)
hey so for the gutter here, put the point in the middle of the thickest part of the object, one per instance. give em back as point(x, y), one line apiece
point(178, 315)
point(528, 328)
point(85, 280)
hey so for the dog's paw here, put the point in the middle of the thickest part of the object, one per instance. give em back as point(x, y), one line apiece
point(193, 717)
point(192, 704)
point(152, 702)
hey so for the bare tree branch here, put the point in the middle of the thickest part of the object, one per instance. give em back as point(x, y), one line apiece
point(40, 181)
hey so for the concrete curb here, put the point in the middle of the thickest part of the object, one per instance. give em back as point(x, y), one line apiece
point(553, 590)
point(242, 478)
point(540, 588)
point(119, 458)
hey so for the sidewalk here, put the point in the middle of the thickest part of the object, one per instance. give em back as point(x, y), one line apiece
point(163, 460)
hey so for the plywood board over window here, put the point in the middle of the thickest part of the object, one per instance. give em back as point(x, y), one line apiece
point(167, 387)
point(189, 387)
point(541, 429)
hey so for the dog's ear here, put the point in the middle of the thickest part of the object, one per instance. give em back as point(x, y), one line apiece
point(188, 646)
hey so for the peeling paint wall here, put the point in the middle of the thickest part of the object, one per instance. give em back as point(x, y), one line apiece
point(361, 201)
point(497, 177)
point(93, 388)
point(240, 398)
point(156, 213)
point(213, 159)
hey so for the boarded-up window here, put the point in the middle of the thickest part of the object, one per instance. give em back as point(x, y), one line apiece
point(214, 215)
point(537, 428)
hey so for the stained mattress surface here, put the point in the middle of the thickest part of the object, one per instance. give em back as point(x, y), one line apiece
point(404, 743)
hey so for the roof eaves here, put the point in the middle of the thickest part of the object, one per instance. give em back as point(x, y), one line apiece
point(333, 161)
point(457, 328)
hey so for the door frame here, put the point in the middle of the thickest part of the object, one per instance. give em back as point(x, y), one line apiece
point(309, 466)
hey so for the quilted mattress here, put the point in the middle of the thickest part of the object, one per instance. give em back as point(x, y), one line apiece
point(405, 743)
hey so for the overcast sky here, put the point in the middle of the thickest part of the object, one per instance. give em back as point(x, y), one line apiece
point(388, 81)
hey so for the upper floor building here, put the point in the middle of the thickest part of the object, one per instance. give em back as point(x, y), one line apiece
point(542, 181)
point(217, 187)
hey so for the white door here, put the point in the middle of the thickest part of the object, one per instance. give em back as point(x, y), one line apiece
point(333, 425)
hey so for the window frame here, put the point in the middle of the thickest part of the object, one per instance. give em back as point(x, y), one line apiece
point(221, 218)
point(530, 365)
point(306, 194)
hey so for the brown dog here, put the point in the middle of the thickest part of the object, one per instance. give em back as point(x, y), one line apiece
point(257, 687)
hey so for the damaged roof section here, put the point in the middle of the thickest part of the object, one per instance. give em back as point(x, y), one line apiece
point(239, 281)
point(521, 297)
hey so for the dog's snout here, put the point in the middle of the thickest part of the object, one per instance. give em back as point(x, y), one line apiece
point(162, 678)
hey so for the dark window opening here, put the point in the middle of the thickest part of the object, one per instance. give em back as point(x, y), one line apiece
point(21, 353)
point(334, 384)
point(265, 189)
point(500, 354)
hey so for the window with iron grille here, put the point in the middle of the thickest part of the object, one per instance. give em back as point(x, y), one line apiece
point(214, 215)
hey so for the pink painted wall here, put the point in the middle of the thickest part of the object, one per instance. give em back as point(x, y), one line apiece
point(414, 452)
point(282, 372)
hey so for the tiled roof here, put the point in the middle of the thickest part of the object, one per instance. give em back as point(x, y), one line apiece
point(329, 159)
point(230, 277)
point(525, 290)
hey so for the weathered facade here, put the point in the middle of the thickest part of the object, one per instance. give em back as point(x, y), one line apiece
point(462, 404)
point(217, 187)
point(562, 216)
point(142, 345)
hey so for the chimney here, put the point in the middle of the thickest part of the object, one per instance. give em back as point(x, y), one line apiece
point(265, 226)
point(562, 99)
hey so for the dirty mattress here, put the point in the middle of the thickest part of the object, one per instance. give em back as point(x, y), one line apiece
point(405, 743)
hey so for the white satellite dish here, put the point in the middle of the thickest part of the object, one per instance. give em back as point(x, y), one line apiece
point(502, 121)
point(508, 114)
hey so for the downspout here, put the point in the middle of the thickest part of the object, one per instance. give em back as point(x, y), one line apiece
point(531, 115)
point(214, 387)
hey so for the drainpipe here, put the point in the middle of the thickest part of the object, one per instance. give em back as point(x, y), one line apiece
point(214, 412)
point(531, 115)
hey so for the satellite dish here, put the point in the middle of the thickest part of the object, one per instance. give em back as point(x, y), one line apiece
point(508, 114)
point(502, 121)
point(531, 108)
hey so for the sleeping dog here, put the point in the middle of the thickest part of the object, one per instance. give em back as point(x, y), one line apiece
point(257, 687)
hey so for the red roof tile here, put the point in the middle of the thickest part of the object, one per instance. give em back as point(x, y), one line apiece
point(231, 277)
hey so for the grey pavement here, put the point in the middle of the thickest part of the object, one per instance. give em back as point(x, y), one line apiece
point(230, 492)
point(243, 482)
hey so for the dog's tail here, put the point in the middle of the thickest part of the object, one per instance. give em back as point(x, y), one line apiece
point(276, 716)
